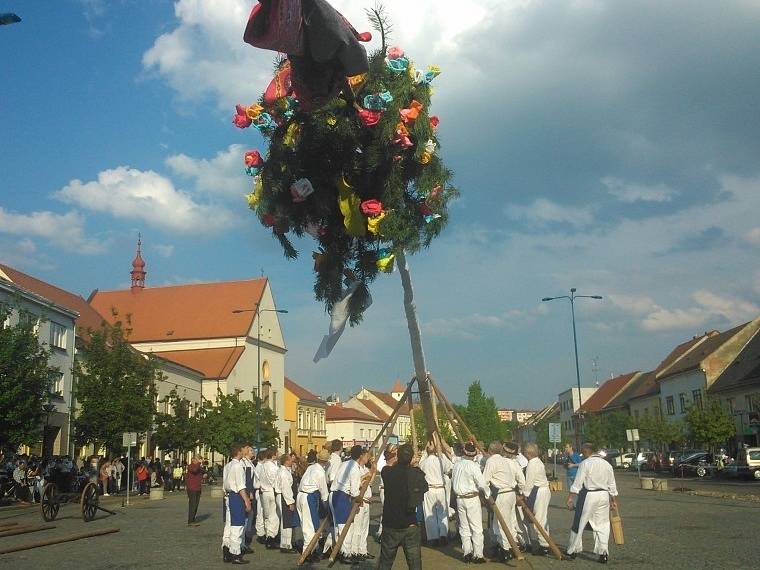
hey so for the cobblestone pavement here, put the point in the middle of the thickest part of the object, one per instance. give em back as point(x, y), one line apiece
point(663, 530)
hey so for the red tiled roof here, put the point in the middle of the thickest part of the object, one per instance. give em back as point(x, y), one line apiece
point(644, 385)
point(337, 413)
point(88, 316)
point(300, 392)
point(213, 363)
point(606, 392)
point(376, 410)
point(701, 351)
point(389, 400)
point(183, 312)
point(398, 387)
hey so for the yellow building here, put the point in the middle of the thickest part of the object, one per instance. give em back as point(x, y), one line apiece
point(305, 412)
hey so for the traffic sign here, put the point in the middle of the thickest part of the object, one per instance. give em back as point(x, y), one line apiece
point(129, 439)
point(632, 434)
point(555, 434)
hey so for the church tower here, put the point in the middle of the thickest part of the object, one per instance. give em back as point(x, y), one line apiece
point(138, 268)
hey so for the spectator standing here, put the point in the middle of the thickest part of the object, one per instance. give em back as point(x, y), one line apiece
point(572, 462)
point(104, 473)
point(177, 476)
point(19, 476)
point(404, 489)
point(142, 475)
point(193, 482)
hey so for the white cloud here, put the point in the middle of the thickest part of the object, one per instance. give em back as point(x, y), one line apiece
point(204, 56)
point(64, 231)
point(629, 192)
point(472, 327)
point(164, 250)
point(753, 236)
point(543, 212)
point(664, 319)
point(710, 306)
point(133, 194)
point(222, 174)
point(633, 304)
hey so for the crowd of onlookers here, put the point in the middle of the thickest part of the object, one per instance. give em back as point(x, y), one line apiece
point(23, 477)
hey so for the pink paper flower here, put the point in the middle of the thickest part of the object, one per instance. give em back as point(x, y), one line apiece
point(372, 207)
point(434, 122)
point(253, 159)
point(241, 120)
point(395, 52)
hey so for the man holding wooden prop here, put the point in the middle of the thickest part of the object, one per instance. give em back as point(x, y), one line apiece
point(597, 493)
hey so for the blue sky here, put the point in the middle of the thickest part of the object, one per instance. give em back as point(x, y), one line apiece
point(608, 146)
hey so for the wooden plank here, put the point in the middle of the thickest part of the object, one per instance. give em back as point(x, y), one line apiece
point(59, 540)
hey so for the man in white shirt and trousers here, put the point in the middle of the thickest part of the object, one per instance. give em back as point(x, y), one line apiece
point(247, 461)
point(236, 505)
point(467, 483)
point(267, 483)
point(435, 505)
point(334, 463)
point(597, 493)
point(361, 520)
point(344, 490)
point(505, 478)
point(286, 504)
point(312, 497)
point(537, 497)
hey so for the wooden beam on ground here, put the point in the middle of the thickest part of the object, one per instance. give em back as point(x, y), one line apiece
point(25, 530)
point(527, 510)
point(314, 540)
point(59, 540)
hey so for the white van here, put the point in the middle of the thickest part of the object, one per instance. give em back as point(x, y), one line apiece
point(749, 461)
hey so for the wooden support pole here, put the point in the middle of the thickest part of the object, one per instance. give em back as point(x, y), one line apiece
point(449, 417)
point(25, 530)
point(368, 481)
point(451, 412)
point(552, 545)
point(314, 540)
point(59, 540)
point(413, 427)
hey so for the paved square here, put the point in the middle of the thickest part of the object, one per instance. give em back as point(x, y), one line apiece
point(663, 530)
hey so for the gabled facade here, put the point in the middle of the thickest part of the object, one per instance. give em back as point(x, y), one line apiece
point(380, 405)
point(569, 402)
point(352, 426)
point(306, 414)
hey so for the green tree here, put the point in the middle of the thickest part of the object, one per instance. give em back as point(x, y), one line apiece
point(178, 429)
point(482, 416)
point(115, 387)
point(660, 432)
point(710, 425)
point(608, 430)
point(444, 429)
point(233, 421)
point(25, 379)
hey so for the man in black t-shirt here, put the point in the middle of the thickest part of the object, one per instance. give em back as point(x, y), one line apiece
point(404, 487)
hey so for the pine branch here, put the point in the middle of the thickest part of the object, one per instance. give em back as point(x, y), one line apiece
point(381, 23)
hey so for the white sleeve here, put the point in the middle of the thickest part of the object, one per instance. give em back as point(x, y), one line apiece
point(322, 484)
point(612, 483)
point(530, 476)
point(286, 488)
point(277, 481)
point(356, 481)
point(580, 478)
point(480, 481)
point(488, 471)
point(238, 478)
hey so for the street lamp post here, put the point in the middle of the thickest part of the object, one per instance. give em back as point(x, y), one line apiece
point(258, 310)
point(572, 297)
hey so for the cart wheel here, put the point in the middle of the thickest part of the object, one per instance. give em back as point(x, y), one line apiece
point(48, 502)
point(89, 502)
point(701, 471)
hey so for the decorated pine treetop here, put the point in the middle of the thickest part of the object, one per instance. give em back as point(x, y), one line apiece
point(356, 167)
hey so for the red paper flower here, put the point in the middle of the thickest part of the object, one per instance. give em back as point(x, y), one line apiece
point(372, 207)
point(434, 122)
point(410, 114)
point(370, 118)
point(268, 220)
point(253, 159)
point(241, 120)
point(425, 209)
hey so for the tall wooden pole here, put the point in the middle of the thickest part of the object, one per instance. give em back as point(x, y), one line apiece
point(415, 337)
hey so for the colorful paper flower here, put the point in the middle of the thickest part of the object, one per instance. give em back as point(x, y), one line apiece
point(373, 223)
point(348, 202)
point(372, 207)
point(356, 80)
point(434, 122)
point(395, 52)
point(425, 77)
point(301, 189)
point(402, 136)
point(291, 135)
point(378, 101)
point(398, 65)
point(435, 193)
point(268, 220)
point(385, 260)
point(252, 158)
point(331, 120)
point(240, 119)
point(253, 111)
point(264, 122)
point(412, 112)
point(369, 118)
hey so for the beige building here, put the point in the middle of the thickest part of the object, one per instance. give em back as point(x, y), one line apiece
point(351, 426)
point(380, 405)
point(210, 332)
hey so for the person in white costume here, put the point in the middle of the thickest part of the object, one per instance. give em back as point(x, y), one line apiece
point(361, 520)
point(236, 504)
point(595, 487)
point(286, 504)
point(435, 505)
point(343, 492)
point(312, 494)
point(504, 477)
point(267, 483)
point(335, 447)
point(537, 496)
point(467, 483)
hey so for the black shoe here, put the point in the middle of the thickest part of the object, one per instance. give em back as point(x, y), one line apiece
point(467, 558)
point(239, 560)
point(603, 559)
point(540, 551)
point(345, 559)
point(226, 556)
point(261, 539)
point(479, 560)
point(272, 542)
point(368, 556)
point(444, 541)
point(569, 556)
point(289, 551)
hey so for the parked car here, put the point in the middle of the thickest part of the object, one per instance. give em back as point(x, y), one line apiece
point(627, 460)
point(748, 461)
point(700, 464)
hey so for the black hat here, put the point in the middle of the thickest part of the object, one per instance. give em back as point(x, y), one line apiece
point(311, 457)
point(510, 447)
point(470, 450)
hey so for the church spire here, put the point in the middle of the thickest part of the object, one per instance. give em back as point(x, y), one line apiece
point(138, 268)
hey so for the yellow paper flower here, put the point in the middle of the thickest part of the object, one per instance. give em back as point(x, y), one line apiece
point(254, 111)
point(386, 263)
point(254, 197)
point(291, 134)
point(356, 80)
point(332, 121)
point(373, 223)
point(349, 202)
point(425, 158)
